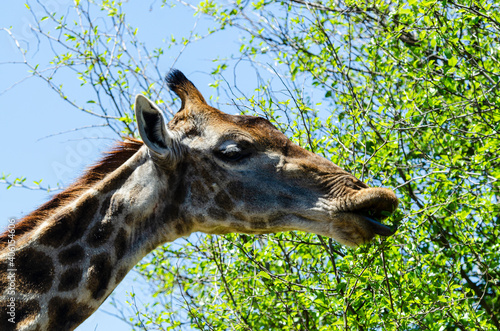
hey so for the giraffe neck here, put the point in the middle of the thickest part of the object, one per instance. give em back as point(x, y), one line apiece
point(67, 266)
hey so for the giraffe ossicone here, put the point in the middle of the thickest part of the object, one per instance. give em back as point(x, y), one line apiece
point(204, 171)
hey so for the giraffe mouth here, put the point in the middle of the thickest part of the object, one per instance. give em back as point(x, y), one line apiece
point(375, 205)
point(378, 227)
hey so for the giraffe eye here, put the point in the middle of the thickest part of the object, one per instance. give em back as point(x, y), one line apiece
point(232, 152)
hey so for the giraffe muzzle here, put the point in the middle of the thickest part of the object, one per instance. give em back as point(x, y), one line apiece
point(375, 205)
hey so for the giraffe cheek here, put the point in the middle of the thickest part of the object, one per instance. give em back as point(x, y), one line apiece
point(217, 214)
point(223, 201)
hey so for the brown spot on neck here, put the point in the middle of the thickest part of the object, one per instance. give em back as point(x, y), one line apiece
point(35, 271)
point(70, 279)
point(66, 314)
point(120, 274)
point(99, 275)
point(120, 243)
point(71, 255)
point(100, 233)
point(68, 227)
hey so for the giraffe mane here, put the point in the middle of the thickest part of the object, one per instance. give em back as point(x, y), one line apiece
point(111, 160)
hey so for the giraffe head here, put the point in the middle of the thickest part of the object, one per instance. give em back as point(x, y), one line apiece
point(241, 174)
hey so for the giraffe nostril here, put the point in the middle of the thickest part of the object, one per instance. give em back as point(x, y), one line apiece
point(354, 183)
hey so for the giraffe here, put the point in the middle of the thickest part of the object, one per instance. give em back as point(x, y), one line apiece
point(204, 171)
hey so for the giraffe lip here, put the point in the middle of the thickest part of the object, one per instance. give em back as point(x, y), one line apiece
point(378, 228)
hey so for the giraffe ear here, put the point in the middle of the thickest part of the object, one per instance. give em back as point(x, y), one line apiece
point(152, 127)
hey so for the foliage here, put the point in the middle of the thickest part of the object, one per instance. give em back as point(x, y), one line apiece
point(404, 95)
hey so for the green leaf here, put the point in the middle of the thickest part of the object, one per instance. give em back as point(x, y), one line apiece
point(452, 61)
point(427, 3)
point(263, 274)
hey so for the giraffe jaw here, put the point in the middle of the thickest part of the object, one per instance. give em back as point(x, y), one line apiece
point(351, 221)
point(355, 219)
point(350, 228)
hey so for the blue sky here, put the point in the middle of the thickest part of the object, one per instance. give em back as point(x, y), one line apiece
point(32, 114)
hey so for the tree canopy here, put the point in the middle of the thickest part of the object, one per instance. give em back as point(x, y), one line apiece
point(402, 94)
